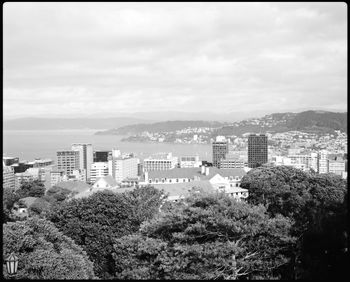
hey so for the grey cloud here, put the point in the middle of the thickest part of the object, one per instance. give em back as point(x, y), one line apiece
point(139, 57)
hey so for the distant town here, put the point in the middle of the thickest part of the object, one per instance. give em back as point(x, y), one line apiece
point(232, 157)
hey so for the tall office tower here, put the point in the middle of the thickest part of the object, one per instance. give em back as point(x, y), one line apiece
point(86, 156)
point(257, 150)
point(68, 160)
point(101, 156)
point(220, 149)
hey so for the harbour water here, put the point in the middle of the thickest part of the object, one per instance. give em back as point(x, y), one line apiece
point(31, 144)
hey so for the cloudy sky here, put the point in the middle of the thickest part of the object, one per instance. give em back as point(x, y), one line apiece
point(105, 59)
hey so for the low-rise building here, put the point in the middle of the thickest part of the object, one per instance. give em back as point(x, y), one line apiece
point(98, 169)
point(160, 162)
point(189, 161)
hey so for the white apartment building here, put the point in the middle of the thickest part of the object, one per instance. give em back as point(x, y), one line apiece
point(78, 175)
point(85, 156)
point(189, 161)
point(336, 166)
point(98, 169)
point(57, 176)
point(304, 162)
point(323, 161)
point(160, 162)
point(231, 161)
point(122, 167)
point(8, 177)
point(281, 160)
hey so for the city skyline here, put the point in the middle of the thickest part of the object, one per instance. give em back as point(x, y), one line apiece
point(110, 59)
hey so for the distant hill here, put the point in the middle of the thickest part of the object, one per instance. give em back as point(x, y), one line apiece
point(308, 121)
point(68, 123)
point(165, 126)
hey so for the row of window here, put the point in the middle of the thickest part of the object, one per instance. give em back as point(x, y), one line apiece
point(170, 180)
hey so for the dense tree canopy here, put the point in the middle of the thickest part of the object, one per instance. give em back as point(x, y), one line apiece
point(95, 221)
point(207, 237)
point(316, 203)
point(59, 194)
point(33, 188)
point(9, 197)
point(44, 252)
point(145, 203)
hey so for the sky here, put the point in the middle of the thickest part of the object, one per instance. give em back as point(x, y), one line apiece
point(108, 59)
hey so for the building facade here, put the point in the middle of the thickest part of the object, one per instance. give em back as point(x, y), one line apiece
point(8, 177)
point(336, 165)
point(189, 161)
point(257, 150)
point(160, 162)
point(85, 156)
point(68, 160)
point(57, 176)
point(98, 169)
point(220, 149)
point(323, 161)
point(231, 161)
point(101, 156)
point(122, 168)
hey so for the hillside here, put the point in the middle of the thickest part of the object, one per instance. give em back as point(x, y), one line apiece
point(309, 121)
point(167, 126)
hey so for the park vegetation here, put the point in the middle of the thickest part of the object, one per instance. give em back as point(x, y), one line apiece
point(292, 226)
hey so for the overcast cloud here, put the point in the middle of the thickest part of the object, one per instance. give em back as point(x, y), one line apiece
point(78, 59)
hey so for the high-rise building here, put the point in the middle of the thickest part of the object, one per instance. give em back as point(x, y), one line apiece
point(8, 177)
point(68, 160)
point(257, 150)
point(220, 149)
point(85, 157)
point(101, 156)
point(98, 169)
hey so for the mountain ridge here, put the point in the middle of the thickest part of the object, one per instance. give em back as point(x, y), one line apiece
point(311, 121)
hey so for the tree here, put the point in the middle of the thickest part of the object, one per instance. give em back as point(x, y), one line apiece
point(315, 202)
point(44, 252)
point(33, 188)
point(57, 194)
point(92, 223)
point(40, 206)
point(207, 237)
point(145, 203)
point(9, 197)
